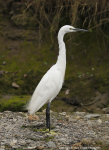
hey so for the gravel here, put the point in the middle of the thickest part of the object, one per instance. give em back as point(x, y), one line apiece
point(69, 130)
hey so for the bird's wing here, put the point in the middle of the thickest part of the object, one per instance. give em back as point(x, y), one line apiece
point(47, 90)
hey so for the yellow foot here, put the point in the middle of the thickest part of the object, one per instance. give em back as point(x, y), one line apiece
point(51, 132)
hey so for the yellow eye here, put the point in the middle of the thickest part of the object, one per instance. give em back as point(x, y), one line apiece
point(71, 29)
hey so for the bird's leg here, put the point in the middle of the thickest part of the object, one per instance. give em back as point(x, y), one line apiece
point(48, 116)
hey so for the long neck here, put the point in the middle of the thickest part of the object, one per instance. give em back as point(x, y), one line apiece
point(61, 61)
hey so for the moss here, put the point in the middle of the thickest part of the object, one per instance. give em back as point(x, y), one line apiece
point(6, 146)
point(52, 127)
point(26, 127)
point(47, 139)
point(40, 130)
point(15, 103)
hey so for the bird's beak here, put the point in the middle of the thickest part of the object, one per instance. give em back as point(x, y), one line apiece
point(76, 29)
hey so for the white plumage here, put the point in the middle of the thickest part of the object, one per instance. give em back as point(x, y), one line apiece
point(47, 89)
point(52, 81)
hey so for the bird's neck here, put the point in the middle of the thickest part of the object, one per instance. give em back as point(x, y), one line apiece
point(61, 61)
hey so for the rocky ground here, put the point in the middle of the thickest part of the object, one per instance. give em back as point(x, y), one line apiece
point(79, 130)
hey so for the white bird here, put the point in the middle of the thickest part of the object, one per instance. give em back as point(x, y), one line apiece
point(51, 83)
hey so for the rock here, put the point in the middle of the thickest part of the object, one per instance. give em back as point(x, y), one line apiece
point(107, 122)
point(57, 126)
point(72, 119)
point(15, 147)
point(2, 148)
point(99, 121)
point(4, 63)
point(25, 75)
point(15, 85)
point(67, 117)
point(40, 147)
point(92, 116)
point(67, 91)
point(44, 111)
point(80, 113)
point(63, 113)
point(107, 115)
point(106, 110)
point(7, 111)
point(62, 140)
point(32, 147)
point(14, 119)
point(77, 117)
point(51, 144)
point(13, 142)
point(23, 142)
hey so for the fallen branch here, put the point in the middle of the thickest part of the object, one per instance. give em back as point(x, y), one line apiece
point(91, 103)
point(72, 101)
point(75, 101)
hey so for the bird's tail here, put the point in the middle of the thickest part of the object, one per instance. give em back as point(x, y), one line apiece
point(32, 106)
point(26, 106)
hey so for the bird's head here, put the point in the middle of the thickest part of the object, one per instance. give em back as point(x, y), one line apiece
point(68, 28)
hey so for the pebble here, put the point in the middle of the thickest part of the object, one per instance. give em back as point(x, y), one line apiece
point(107, 115)
point(40, 147)
point(17, 132)
point(92, 116)
point(106, 110)
point(77, 117)
point(80, 113)
point(106, 122)
point(62, 140)
point(63, 113)
point(99, 121)
point(51, 144)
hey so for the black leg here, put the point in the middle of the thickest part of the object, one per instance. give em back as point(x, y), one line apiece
point(48, 116)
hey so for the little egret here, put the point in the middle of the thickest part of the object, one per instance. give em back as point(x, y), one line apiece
point(51, 83)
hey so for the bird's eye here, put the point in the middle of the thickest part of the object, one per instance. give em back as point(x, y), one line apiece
point(71, 29)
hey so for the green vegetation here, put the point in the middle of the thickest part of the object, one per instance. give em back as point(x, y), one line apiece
point(13, 103)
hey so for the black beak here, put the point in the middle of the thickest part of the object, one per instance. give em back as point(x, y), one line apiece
point(76, 29)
